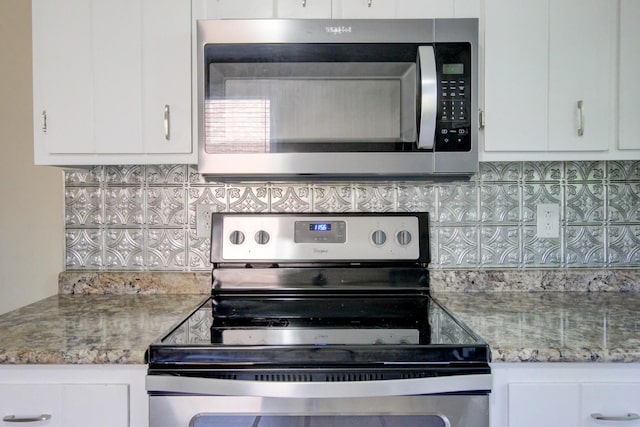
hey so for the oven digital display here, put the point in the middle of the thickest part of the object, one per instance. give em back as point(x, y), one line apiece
point(318, 231)
point(319, 226)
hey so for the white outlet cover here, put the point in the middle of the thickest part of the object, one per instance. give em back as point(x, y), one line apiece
point(203, 220)
point(548, 221)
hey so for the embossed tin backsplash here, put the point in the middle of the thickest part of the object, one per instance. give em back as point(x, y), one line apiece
point(144, 217)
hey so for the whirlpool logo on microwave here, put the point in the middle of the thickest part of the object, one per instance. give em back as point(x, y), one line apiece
point(337, 30)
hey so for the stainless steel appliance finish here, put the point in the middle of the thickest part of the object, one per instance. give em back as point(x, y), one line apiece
point(319, 320)
point(337, 98)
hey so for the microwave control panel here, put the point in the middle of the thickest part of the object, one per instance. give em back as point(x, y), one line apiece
point(453, 122)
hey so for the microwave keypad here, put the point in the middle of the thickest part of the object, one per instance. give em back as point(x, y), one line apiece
point(453, 120)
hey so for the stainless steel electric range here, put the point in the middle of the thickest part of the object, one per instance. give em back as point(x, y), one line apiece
point(319, 320)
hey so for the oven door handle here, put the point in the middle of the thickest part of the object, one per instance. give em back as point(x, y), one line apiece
point(160, 384)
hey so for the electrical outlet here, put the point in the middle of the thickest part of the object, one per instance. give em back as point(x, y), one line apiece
point(203, 220)
point(548, 219)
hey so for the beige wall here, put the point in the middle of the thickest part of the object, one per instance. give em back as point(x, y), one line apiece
point(31, 216)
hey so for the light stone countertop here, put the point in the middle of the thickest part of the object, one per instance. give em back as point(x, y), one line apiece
point(90, 329)
point(111, 318)
point(552, 326)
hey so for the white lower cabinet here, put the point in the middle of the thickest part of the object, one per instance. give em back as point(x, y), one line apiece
point(66, 405)
point(566, 394)
point(73, 395)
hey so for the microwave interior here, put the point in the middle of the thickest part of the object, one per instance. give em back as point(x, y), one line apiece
point(279, 98)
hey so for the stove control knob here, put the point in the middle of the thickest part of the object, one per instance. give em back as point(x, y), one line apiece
point(236, 237)
point(262, 237)
point(403, 237)
point(378, 237)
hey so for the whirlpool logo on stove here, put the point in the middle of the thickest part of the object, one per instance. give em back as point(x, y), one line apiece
point(337, 30)
point(320, 251)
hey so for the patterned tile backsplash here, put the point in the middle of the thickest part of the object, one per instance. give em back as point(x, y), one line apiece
point(144, 217)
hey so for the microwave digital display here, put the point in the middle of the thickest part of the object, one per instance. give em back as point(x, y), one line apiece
point(453, 68)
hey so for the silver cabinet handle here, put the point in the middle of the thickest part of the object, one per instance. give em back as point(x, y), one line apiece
point(369, 3)
point(167, 122)
point(580, 119)
point(628, 417)
point(304, 3)
point(13, 419)
point(44, 121)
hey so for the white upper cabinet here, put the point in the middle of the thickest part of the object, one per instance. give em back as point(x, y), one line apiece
point(550, 79)
point(112, 82)
point(516, 69)
point(582, 67)
point(233, 9)
point(405, 9)
point(303, 9)
point(337, 9)
point(629, 72)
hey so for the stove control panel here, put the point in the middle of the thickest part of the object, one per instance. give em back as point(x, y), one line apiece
point(309, 238)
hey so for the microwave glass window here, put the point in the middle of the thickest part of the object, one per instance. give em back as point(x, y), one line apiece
point(289, 107)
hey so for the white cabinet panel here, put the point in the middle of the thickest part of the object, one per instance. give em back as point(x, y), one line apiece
point(77, 405)
point(405, 9)
point(62, 77)
point(581, 68)
point(467, 8)
point(537, 404)
point(629, 75)
point(416, 9)
point(103, 73)
point(610, 400)
point(541, 59)
point(363, 9)
point(235, 9)
point(117, 75)
point(166, 70)
point(303, 9)
point(516, 70)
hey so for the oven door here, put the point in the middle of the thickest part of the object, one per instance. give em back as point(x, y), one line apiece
point(463, 401)
point(250, 411)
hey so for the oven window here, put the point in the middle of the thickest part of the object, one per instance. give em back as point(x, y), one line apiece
point(319, 421)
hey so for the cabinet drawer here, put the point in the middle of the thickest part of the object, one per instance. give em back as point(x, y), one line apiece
point(66, 405)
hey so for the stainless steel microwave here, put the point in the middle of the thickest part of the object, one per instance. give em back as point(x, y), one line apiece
point(337, 98)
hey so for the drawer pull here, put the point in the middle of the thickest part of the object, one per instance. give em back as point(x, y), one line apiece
point(629, 417)
point(167, 122)
point(580, 111)
point(13, 419)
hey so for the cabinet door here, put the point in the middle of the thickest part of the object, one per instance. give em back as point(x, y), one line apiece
point(581, 70)
point(467, 8)
point(166, 76)
point(629, 72)
point(516, 69)
point(117, 75)
point(233, 9)
point(363, 9)
point(21, 402)
point(77, 405)
point(543, 404)
point(399, 9)
point(62, 77)
point(303, 9)
point(612, 401)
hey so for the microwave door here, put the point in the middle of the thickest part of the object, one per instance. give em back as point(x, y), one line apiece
point(428, 98)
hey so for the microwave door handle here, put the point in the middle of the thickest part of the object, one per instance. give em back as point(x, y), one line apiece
point(429, 97)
